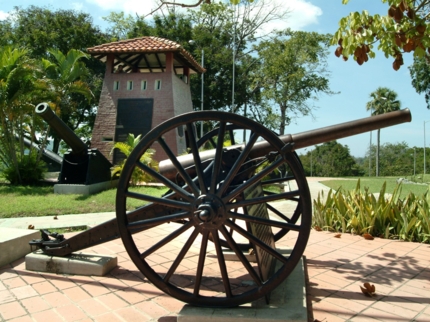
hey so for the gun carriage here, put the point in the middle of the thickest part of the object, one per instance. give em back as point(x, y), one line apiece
point(81, 164)
point(222, 195)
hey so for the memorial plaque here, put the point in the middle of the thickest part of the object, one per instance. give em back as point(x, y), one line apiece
point(266, 262)
point(134, 116)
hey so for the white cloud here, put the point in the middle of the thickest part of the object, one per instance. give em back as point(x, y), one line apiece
point(78, 6)
point(128, 6)
point(3, 15)
point(302, 12)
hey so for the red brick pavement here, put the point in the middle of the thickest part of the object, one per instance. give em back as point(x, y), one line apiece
point(335, 269)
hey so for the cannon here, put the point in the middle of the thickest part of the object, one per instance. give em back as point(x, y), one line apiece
point(250, 199)
point(81, 165)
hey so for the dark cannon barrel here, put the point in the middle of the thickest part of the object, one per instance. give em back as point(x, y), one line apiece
point(72, 140)
point(304, 139)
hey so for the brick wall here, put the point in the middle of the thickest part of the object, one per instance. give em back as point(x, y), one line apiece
point(173, 98)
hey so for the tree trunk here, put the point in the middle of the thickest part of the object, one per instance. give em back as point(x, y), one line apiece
point(377, 152)
point(283, 109)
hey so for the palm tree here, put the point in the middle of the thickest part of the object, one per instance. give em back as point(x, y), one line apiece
point(66, 74)
point(126, 148)
point(384, 100)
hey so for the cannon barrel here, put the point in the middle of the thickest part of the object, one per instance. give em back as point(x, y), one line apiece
point(81, 165)
point(304, 139)
point(72, 140)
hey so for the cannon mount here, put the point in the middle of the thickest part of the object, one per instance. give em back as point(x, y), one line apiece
point(222, 195)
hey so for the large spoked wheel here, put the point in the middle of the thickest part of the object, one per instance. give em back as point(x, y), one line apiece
point(282, 178)
point(176, 236)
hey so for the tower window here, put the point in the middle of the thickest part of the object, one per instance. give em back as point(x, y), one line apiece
point(143, 85)
point(158, 84)
point(129, 85)
point(116, 85)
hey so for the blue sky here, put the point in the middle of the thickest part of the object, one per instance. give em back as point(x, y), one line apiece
point(355, 83)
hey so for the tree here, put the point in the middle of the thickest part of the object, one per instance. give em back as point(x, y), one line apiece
point(40, 29)
point(397, 159)
point(164, 3)
point(292, 72)
point(404, 29)
point(219, 32)
point(383, 101)
point(420, 74)
point(66, 74)
point(19, 86)
point(330, 159)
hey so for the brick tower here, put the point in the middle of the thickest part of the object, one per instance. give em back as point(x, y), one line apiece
point(146, 82)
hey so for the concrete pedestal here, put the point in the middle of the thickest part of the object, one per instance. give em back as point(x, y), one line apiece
point(287, 303)
point(74, 264)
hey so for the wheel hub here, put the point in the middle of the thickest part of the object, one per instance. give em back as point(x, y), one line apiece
point(209, 211)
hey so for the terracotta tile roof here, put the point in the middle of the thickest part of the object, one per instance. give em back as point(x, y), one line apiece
point(144, 45)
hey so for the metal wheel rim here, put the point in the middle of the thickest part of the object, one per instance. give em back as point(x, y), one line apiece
point(159, 280)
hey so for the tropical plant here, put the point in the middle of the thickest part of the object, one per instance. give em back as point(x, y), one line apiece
point(126, 148)
point(67, 74)
point(30, 170)
point(384, 100)
point(385, 216)
point(19, 87)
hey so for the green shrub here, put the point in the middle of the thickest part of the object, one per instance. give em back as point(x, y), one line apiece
point(30, 171)
point(138, 176)
point(384, 216)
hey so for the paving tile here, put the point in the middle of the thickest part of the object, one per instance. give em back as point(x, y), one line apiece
point(395, 309)
point(151, 309)
point(25, 318)
point(57, 299)
point(381, 315)
point(354, 306)
point(71, 313)
point(112, 283)
point(14, 282)
point(93, 307)
point(60, 282)
point(23, 292)
point(95, 288)
point(112, 301)
point(76, 294)
point(30, 277)
point(35, 304)
point(404, 303)
point(7, 272)
point(44, 287)
point(333, 309)
point(6, 296)
point(422, 318)
point(169, 303)
point(131, 296)
point(324, 316)
point(131, 314)
point(109, 317)
point(11, 310)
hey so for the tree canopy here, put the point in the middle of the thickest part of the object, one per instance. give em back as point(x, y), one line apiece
point(330, 159)
point(292, 71)
point(403, 30)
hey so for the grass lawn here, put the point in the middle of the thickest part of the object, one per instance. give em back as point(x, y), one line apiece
point(19, 201)
point(375, 184)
